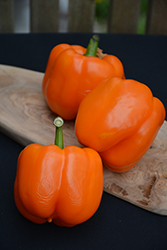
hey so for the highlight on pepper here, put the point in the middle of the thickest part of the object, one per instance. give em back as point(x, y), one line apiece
point(73, 71)
point(120, 119)
point(58, 184)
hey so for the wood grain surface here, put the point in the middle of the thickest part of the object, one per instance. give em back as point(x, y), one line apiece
point(25, 117)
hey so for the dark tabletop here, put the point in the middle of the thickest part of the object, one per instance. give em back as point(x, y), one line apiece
point(117, 225)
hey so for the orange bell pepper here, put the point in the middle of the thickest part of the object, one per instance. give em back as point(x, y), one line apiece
point(60, 185)
point(120, 119)
point(72, 72)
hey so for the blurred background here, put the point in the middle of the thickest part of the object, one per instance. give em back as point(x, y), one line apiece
point(22, 16)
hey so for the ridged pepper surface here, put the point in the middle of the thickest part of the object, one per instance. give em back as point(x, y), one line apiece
point(120, 119)
point(72, 72)
point(60, 185)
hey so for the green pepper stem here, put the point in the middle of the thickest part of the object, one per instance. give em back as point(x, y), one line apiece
point(58, 122)
point(92, 46)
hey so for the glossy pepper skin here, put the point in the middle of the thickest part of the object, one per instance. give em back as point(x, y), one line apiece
point(120, 119)
point(60, 185)
point(71, 73)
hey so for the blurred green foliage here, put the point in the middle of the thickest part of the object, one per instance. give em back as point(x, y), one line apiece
point(143, 16)
point(102, 7)
point(102, 10)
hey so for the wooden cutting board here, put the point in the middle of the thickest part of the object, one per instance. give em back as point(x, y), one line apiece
point(25, 117)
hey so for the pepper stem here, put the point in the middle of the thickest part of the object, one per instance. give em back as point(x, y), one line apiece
point(58, 122)
point(92, 46)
